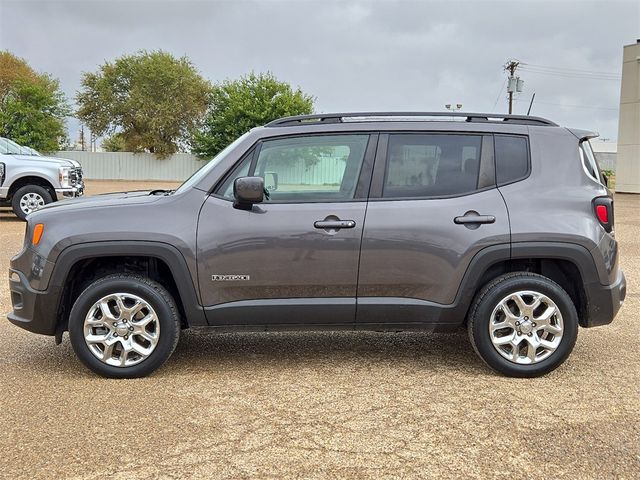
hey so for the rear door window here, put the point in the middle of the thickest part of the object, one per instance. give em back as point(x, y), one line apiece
point(431, 165)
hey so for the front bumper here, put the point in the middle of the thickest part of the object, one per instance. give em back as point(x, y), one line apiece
point(72, 192)
point(604, 301)
point(33, 310)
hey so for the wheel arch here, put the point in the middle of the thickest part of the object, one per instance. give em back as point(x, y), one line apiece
point(25, 180)
point(81, 264)
point(570, 265)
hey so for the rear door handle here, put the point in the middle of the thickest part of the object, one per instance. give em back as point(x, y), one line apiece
point(474, 219)
point(334, 224)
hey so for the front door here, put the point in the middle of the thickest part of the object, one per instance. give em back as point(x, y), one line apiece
point(294, 257)
point(434, 206)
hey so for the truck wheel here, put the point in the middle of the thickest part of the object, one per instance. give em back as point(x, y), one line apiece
point(28, 199)
point(124, 326)
point(523, 324)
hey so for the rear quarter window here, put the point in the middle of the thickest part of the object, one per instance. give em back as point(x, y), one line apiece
point(589, 162)
point(512, 158)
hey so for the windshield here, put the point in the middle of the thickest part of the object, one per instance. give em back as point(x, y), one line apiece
point(9, 147)
point(206, 168)
point(33, 151)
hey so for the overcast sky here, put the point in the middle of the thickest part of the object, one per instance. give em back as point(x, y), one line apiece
point(355, 55)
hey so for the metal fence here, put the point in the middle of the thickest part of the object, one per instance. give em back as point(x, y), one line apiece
point(606, 160)
point(134, 166)
point(178, 167)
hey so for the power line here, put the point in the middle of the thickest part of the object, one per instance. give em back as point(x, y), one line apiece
point(569, 72)
point(493, 109)
point(576, 106)
point(573, 74)
point(575, 70)
point(569, 75)
point(579, 106)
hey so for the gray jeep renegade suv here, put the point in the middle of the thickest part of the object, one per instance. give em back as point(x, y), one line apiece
point(356, 221)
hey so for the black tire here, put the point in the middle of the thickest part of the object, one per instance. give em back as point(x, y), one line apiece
point(151, 292)
point(27, 189)
point(489, 297)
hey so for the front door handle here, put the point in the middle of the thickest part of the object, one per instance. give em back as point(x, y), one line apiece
point(473, 219)
point(334, 224)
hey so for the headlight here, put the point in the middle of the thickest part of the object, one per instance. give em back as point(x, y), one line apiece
point(2, 170)
point(65, 177)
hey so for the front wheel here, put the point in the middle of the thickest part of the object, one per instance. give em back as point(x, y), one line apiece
point(28, 199)
point(124, 326)
point(523, 324)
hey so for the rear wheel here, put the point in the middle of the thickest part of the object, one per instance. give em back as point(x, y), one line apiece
point(124, 326)
point(28, 199)
point(523, 324)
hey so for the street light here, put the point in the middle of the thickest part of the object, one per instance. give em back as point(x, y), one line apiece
point(453, 108)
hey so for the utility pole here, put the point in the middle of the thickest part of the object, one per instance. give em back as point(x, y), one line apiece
point(82, 137)
point(514, 83)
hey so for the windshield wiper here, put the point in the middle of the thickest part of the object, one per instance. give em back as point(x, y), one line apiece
point(161, 191)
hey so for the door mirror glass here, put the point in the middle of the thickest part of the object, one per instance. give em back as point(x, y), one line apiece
point(247, 191)
point(271, 181)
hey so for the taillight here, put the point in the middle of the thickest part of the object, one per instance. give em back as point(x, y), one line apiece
point(603, 208)
point(603, 213)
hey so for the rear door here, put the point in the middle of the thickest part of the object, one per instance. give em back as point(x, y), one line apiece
point(292, 259)
point(433, 206)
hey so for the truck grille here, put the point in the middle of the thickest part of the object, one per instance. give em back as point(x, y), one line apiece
point(75, 176)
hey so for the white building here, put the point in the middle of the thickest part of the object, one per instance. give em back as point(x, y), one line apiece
point(628, 156)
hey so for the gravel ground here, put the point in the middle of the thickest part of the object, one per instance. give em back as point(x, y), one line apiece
point(324, 405)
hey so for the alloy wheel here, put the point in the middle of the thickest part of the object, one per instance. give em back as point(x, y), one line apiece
point(526, 327)
point(121, 329)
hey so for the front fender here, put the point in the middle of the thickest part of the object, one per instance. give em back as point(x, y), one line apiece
point(162, 251)
point(15, 174)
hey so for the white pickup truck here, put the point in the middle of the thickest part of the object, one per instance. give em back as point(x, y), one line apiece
point(28, 180)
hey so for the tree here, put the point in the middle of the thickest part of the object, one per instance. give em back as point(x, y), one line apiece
point(32, 106)
point(239, 105)
point(151, 100)
point(114, 143)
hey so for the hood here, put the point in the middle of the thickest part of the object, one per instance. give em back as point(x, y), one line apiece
point(62, 162)
point(98, 201)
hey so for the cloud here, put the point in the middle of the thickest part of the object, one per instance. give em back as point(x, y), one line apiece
point(376, 55)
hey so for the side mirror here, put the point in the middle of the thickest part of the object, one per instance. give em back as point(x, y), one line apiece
point(271, 181)
point(247, 191)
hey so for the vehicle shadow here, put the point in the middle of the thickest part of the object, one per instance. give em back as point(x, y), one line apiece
point(7, 215)
point(202, 351)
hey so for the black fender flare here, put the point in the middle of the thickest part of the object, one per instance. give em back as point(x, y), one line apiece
point(169, 254)
point(489, 256)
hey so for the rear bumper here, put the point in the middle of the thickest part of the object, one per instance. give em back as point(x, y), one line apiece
point(33, 310)
point(604, 301)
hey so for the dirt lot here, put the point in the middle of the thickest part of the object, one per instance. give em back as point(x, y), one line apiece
point(323, 405)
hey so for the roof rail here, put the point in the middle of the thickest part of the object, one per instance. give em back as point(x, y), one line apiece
point(325, 118)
